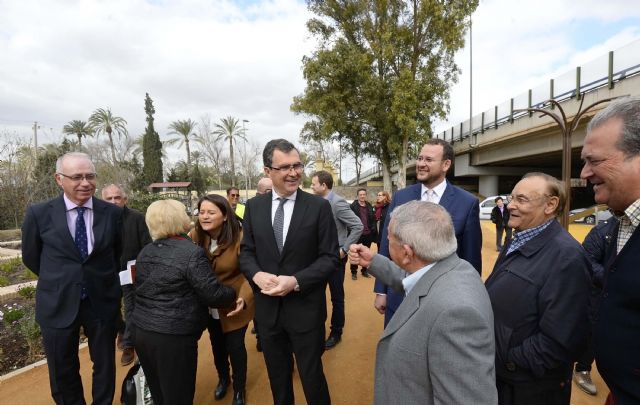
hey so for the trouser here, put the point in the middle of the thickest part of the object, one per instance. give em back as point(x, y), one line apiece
point(278, 343)
point(534, 393)
point(336, 289)
point(61, 348)
point(170, 364)
point(227, 347)
point(364, 240)
point(499, 231)
point(124, 326)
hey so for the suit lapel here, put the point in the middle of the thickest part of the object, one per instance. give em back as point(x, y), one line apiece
point(448, 197)
point(98, 223)
point(411, 302)
point(58, 215)
point(299, 210)
point(263, 219)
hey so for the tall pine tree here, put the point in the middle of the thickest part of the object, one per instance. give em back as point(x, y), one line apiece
point(151, 147)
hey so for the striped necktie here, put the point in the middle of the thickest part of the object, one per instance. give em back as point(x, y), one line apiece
point(278, 224)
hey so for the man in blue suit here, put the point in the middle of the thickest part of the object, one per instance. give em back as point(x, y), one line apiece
point(73, 244)
point(432, 165)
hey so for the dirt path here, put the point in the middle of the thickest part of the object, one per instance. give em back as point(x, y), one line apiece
point(348, 367)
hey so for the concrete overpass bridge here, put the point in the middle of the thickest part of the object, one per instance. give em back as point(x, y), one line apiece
point(495, 148)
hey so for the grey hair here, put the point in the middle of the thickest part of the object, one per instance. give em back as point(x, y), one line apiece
point(427, 228)
point(628, 110)
point(122, 189)
point(69, 155)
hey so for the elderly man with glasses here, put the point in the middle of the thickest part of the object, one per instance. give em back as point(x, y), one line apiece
point(539, 291)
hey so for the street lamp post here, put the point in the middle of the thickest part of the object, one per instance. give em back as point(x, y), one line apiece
point(246, 163)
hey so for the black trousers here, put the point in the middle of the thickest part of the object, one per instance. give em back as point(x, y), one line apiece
point(534, 393)
point(229, 348)
point(170, 363)
point(336, 289)
point(499, 231)
point(124, 324)
point(61, 348)
point(279, 343)
point(366, 240)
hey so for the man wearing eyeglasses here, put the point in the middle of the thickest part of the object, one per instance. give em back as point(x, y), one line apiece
point(539, 291)
point(233, 196)
point(72, 243)
point(288, 252)
point(432, 165)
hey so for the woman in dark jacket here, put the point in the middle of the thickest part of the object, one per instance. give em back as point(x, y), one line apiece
point(174, 288)
point(383, 200)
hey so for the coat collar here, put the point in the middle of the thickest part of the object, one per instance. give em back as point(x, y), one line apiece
point(411, 302)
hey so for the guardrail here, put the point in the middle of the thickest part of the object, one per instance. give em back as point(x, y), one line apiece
point(606, 70)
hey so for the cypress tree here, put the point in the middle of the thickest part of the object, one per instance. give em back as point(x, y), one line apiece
point(151, 147)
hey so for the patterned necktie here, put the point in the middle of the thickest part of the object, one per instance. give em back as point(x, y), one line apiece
point(278, 224)
point(429, 196)
point(81, 233)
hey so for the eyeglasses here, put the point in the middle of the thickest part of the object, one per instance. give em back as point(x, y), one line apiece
point(523, 200)
point(427, 160)
point(79, 177)
point(296, 167)
point(234, 195)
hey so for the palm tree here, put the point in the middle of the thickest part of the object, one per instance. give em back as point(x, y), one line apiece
point(79, 129)
point(102, 121)
point(229, 130)
point(185, 129)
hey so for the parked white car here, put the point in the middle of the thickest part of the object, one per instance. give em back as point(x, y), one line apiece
point(603, 215)
point(487, 205)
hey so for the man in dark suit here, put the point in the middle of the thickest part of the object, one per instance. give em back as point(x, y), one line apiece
point(364, 210)
point(432, 165)
point(611, 156)
point(135, 235)
point(288, 252)
point(73, 244)
point(500, 217)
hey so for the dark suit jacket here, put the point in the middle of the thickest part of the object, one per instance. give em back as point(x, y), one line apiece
point(135, 235)
point(310, 253)
point(501, 219)
point(616, 333)
point(49, 251)
point(465, 213)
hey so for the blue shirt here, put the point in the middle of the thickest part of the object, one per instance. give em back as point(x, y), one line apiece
point(525, 236)
point(412, 279)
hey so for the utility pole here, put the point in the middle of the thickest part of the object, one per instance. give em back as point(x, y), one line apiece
point(246, 163)
point(35, 138)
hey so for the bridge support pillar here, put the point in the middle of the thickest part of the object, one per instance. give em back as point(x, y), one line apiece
point(488, 185)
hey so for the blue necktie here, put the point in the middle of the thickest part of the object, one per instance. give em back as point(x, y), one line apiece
point(278, 224)
point(81, 234)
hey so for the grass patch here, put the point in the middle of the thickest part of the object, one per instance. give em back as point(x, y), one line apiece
point(10, 234)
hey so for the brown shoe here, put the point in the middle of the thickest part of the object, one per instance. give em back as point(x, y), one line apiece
point(128, 355)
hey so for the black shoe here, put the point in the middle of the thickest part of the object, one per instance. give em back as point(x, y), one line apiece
point(258, 346)
point(365, 274)
point(354, 276)
point(332, 341)
point(221, 388)
point(238, 398)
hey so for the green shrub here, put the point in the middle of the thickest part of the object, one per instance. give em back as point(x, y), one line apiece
point(30, 330)
point(4, 281)
point(12, 313)
point(29, 275)
point(11, 265)
point(28, 291)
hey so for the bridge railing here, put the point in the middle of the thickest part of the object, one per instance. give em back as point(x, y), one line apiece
point(605, 70)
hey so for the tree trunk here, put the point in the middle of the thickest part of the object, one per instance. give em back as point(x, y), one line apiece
point(113, 149)
point(233, 169)
point(402, 165)
point(386, 178)
point(80, 141)
point(186, 144)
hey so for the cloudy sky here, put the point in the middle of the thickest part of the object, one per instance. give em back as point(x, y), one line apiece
point(61, 60)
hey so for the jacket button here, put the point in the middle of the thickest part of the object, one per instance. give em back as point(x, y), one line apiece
point(510, 366)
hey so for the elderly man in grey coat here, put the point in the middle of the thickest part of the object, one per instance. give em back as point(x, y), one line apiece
point(439, 347)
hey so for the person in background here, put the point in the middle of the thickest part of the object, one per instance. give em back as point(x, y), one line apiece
point(500, 217)
point(349, 229)
point(611, 156)
point(364, 210)
point(72, 243)
point(264, 186)
point(233, 196)
point(539, 291)
point(219, 233)
point(135, 235)
point(383, 199)
point(439, 347)
point(174, 287)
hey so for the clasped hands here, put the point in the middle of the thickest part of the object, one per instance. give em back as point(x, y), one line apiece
point(275, 286)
